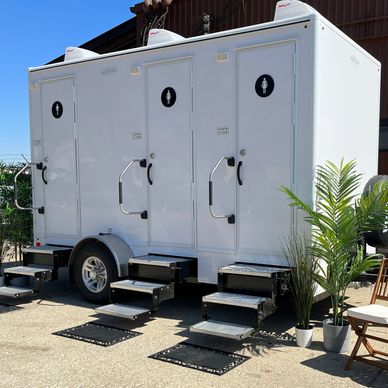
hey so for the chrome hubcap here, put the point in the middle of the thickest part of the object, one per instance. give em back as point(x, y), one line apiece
point(94, 274)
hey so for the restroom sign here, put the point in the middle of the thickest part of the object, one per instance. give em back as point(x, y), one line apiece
point(168, 97)
point(57, 109)
point(264, 85)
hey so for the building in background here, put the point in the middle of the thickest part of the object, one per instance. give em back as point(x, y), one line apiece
point(365, 21)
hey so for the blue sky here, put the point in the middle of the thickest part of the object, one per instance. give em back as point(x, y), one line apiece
point(33, 33)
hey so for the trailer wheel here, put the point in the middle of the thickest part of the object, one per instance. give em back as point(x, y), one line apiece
point(94, 270)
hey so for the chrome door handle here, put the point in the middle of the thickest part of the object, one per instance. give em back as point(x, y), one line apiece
point(231, 163)
point(142, 163)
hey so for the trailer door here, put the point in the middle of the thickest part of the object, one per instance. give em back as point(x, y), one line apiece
point(265, 100)
point(169, 112)
point(59, 176)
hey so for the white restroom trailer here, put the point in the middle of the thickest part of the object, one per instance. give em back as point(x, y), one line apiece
point(249, 110)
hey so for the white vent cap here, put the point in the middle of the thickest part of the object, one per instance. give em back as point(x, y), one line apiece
point(287, 9)
point(160, 36)
point(73, 53)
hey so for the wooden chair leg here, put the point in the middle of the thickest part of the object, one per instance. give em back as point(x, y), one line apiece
point(359, 331)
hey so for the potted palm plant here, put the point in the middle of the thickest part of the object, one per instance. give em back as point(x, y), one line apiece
point(296, 249)
point(339, 218)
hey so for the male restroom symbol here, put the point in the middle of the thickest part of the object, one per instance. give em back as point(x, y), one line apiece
point(57, 109)
point(168, 97)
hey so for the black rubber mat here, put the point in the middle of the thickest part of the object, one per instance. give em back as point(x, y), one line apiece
point(201, 358)
point(97, 334)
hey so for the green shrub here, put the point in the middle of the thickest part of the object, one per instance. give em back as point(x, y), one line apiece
point(15, 225)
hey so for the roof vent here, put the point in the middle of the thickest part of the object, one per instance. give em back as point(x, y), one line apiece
point(292, 8)
point(160, 36)
point(73, 53)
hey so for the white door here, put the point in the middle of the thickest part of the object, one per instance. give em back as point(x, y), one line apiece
point(169, 111)
point(59, 175)
point(265, 100)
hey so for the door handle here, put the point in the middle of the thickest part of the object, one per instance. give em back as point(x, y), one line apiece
point(238, 173)
point(43, 175)
point(231, 163)
point(142, 163)
point(15, 187)
point(148, 174)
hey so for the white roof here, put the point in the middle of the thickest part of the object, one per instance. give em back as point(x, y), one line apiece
point(242, 30)
point(284, 15)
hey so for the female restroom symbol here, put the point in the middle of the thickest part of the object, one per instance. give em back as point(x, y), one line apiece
point(264, 85)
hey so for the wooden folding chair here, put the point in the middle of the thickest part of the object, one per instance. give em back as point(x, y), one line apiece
point(372, 313)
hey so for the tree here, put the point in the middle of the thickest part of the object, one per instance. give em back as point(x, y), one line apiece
point(15, 224)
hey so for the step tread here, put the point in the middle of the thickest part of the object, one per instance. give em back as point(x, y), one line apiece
point(45, 249)
point(162, 261)
point(15, 292)
point(252, 270)
point(138, 285)
point(122, 311)
point(233, 299)
point(222, 329)
point(26, 271)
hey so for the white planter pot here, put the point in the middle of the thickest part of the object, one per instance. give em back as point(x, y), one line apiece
point(304, 337)
point(336, 338)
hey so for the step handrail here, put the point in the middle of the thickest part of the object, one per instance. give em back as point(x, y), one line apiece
point(143, 214)
point(231, 163)
point(15, 187)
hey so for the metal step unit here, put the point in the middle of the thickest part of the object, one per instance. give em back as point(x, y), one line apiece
point(47, 256)
point(254, 278)
point(15, 292)
point(33, 272)
point(123, 311)
point(21, 280)
point(154, 275)
point(232, 299)
point(243, 285)
point(139, 286)
point(40, 265)
point(163, 269)
point(120, 291)
point(222, 329)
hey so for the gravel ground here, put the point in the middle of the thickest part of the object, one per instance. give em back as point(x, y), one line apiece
point(33, 357)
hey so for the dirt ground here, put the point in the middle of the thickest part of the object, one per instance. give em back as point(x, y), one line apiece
point(32, 356)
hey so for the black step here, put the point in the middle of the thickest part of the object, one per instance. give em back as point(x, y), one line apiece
point(222, 329)
point(123, 311)
point(47, 256)
point(253, 270)
point(254, 279)
point(139, 286)
point(237, 300)
point(34, 272)
point(46, 249)
point(15, 292)
point(162, 269)
point(161, 261)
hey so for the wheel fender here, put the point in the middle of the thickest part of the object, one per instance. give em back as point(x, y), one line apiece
point(119, 249)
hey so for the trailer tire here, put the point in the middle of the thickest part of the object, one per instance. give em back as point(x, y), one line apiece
point(94, 270)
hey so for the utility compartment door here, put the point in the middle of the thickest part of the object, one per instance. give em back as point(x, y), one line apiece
point(265, 100)
point(59, 175)
point(169, 111)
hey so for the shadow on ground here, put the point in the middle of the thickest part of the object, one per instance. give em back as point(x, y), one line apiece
point(333, 364)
